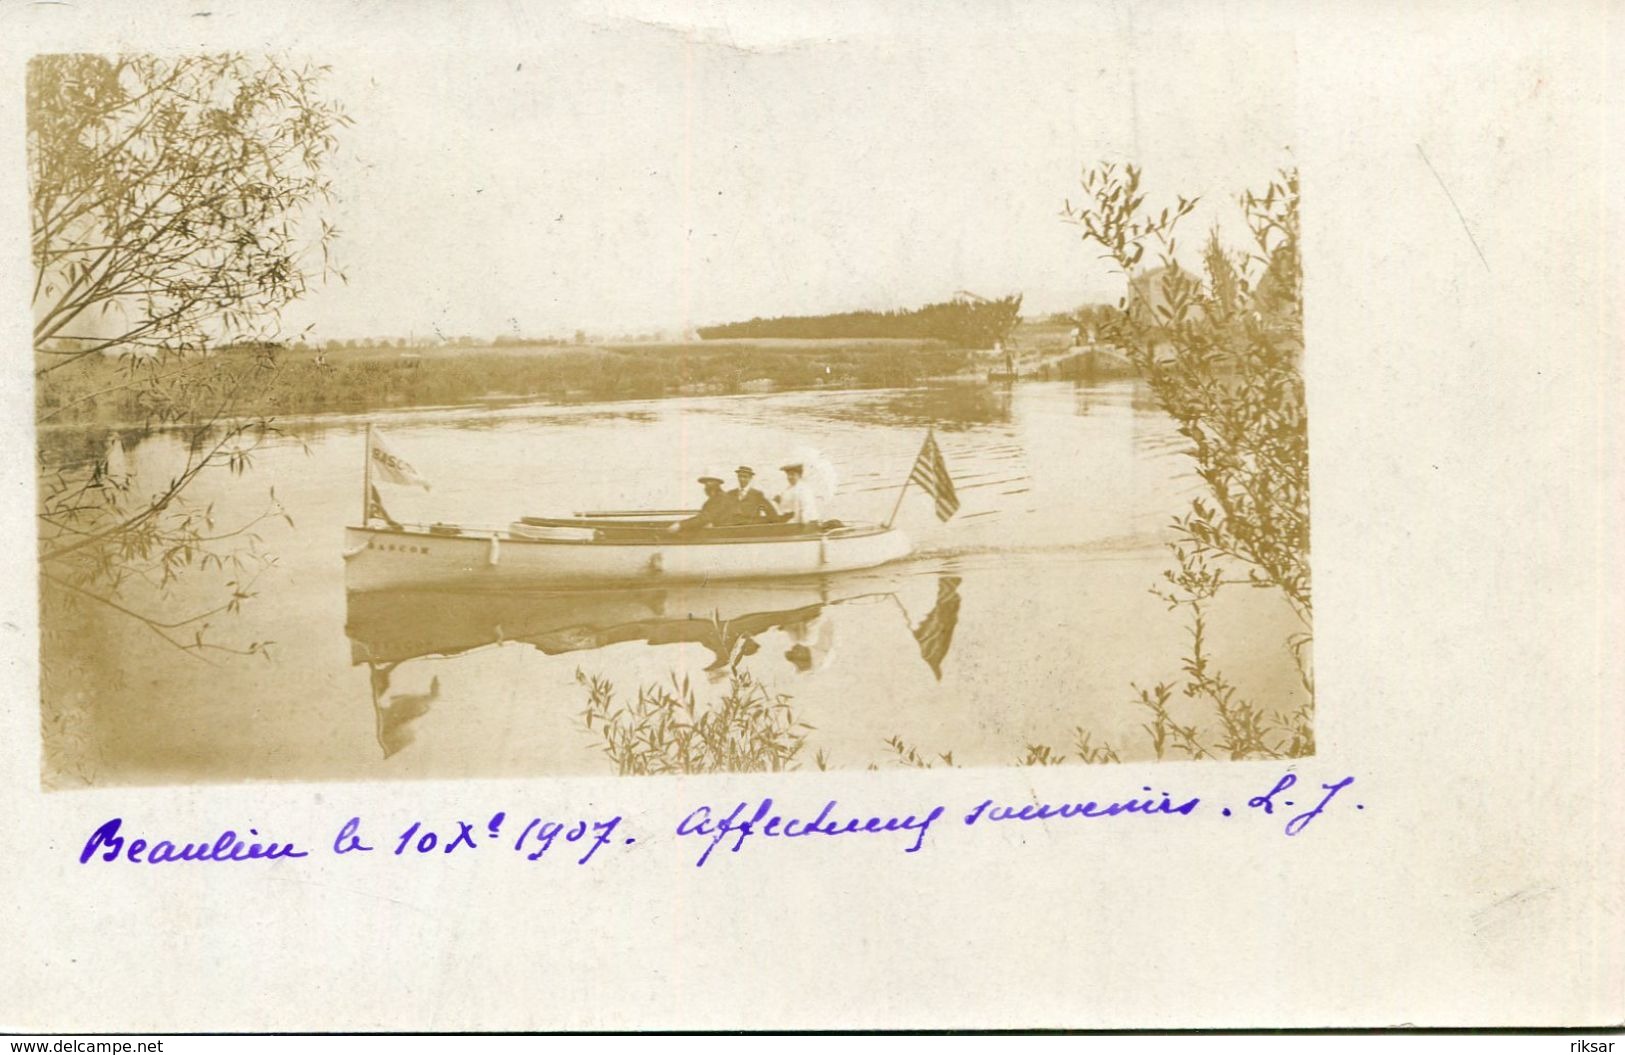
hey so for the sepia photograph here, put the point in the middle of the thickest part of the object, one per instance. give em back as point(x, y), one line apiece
point(720, 411)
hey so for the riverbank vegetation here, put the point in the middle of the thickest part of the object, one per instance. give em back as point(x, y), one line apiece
point(663, 730)
point(280, 382)
point(1222, 352)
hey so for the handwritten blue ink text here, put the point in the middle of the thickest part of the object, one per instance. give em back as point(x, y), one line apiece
point(1039, 812)
point(228, 847)
point(765, 822)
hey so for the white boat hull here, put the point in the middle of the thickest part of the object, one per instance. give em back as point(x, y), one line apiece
point(378, 558)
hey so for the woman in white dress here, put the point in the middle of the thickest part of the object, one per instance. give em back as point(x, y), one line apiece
point(798, 504)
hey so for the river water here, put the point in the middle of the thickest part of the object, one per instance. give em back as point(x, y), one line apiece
point(1024, 619)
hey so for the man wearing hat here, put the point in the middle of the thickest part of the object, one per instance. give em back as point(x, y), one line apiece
point(718, 510)
point(751, 506)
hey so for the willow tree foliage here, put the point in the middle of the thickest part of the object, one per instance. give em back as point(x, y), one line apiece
point(1222, 351)
point(175, 209)
point(168, 198)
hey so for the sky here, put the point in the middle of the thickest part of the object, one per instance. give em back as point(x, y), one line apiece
point(639, 170)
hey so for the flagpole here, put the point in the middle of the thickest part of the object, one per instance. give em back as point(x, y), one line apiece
point(908, 620)
point(907, 480)
point(366, 481)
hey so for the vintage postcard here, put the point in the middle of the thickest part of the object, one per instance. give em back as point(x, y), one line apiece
point(716, 469)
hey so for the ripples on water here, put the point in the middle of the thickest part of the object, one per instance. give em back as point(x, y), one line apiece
point(1025, 617)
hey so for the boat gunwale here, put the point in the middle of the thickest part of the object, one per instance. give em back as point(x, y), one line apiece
point(849, 532)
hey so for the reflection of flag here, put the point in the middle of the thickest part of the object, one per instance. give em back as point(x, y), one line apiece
point(931, 473)
point(936, 631)
point(393, 716)
point(390, 468)
point(376, 510)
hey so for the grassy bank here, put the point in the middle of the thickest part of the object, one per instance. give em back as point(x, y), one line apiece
point(305, 382)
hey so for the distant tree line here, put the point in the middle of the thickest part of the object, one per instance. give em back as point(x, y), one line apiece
point(1088, 318)
point(364, 344)
point(965, 322)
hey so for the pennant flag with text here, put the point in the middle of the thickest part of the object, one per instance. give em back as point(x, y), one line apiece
point(391, 468)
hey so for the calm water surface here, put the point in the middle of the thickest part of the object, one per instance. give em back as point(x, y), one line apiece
point(1023, 619)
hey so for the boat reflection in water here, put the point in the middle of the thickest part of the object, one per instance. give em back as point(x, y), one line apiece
point(392, 627)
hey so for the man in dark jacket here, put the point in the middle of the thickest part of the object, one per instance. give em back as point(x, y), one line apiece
point(751, 506)
point(718, 510)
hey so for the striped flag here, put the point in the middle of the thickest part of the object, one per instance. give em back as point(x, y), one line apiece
point(389, 467)
point(931, 473)
point(376, 510)
point(936, 631)
point(393, 715)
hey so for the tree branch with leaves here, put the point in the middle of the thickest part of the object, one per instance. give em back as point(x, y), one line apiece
point(176, 207)
point(168, 197)
point(1222, 353)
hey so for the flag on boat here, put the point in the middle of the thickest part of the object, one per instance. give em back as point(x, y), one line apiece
point(388, 466)
point(936, 631)
point(931, 473)
point(376, 510)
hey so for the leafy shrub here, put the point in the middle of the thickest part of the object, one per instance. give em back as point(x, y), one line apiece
point(1223, 355)
point(664, 729)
